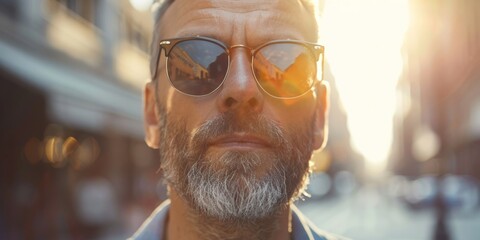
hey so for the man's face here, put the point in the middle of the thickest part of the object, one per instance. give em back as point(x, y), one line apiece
point(237, 153)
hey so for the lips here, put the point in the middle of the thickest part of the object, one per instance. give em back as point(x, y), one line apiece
point(240, 141)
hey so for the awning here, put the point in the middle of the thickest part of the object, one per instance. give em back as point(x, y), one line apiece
point(78, 95)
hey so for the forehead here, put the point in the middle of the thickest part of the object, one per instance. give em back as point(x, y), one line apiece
point(240, 21)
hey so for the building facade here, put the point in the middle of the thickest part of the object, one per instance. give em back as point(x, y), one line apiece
point(437, 123)
point(73, 162)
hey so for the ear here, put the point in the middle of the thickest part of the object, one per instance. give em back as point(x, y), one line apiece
point(151, 116)
point(321, 111)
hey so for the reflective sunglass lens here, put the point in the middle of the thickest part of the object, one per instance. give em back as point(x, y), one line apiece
point(197, 67)
point(285, 69)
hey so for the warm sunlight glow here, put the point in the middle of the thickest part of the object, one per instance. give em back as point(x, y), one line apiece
point(141, 5)
point(363, 41)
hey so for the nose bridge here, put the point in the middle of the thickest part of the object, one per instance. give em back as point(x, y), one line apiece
point(240, 71)
point(240, 87)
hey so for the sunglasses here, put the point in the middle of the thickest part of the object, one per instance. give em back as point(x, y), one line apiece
point(197, 66)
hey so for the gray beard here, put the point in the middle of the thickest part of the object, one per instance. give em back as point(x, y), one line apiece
point(237, 195)
point(225, 187)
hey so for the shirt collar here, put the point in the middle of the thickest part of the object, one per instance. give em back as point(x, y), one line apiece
point(154, 227)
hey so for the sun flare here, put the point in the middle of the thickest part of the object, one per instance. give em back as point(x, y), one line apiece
point(363, 42)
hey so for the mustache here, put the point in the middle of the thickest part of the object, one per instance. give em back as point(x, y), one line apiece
point(231, 122)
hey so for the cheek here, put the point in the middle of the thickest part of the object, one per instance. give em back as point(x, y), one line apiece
point(189, 110)
point(293, 113)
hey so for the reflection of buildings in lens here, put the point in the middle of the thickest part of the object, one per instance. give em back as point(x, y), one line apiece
point(218, 68)
point(183, 67)
point(268, 71)
point(295, 78)
point(299, 75)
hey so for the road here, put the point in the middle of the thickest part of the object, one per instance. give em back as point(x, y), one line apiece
point(368, 214)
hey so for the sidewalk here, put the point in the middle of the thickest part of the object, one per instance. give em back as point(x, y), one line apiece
point(367, 215)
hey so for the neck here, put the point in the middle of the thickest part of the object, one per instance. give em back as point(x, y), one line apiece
point(185, 223)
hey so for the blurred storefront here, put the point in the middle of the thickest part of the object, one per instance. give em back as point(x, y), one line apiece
point(73, 162)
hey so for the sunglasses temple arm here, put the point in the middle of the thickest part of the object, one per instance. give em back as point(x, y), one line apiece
point(323, 67)
point(157, 59)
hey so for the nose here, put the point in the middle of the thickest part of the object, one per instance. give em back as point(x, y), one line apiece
point(240, 90)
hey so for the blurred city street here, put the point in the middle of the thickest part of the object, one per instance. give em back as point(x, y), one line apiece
point(404, 100)
point(368, 215)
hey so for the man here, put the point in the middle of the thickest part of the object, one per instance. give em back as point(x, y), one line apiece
point(236, 109)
